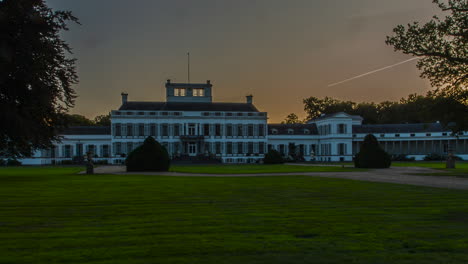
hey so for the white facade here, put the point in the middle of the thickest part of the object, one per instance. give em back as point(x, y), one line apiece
point(192, 127)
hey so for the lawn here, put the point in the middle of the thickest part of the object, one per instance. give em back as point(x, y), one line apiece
point(52, 215)
point(256, 168)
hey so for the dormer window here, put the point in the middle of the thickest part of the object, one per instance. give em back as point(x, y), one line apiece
point(198, 92)
point(290, 131)
point(180, 91)
point(274, 131)
point(306, 131)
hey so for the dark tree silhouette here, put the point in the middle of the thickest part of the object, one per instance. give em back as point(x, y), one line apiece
point(442, 46)
point(36, 76)
point(292, 119)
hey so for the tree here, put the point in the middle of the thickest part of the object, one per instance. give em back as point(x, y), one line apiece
point(372, 155)
point(443, 46)
point(102, 120)
point(78, 120)
point(150, 156)
point(36, 76)
point(292, 119)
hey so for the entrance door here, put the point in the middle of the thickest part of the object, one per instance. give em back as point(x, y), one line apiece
point(192, 149)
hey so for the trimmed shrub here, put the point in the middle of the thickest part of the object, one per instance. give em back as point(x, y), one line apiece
point(13, 162)
point(372, 155)
point(438, 157)
point(402, 157)
point(273, 157)
point(151, 156)
point(434, 157)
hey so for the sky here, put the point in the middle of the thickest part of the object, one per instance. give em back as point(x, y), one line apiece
point(280, 51)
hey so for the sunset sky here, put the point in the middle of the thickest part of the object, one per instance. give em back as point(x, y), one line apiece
point(279, 51)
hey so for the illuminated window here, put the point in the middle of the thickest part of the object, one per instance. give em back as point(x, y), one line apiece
point(198, 92)
point(179, 91)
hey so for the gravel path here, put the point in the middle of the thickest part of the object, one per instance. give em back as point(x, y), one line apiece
point(398, 175)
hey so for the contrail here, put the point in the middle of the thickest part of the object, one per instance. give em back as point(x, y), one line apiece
point(371, 72)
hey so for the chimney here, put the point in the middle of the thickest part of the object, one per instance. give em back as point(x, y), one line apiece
point(249, 99)
point(168, 81)
point(124, 97)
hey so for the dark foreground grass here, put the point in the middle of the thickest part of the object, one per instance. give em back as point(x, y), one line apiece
point(53, 216)
point(256, 168)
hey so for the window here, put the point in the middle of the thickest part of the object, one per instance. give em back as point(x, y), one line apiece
point(250, 147)
point(274, 131)
point(191, 129)
point(105, 151)
point(141, 130)
point(165, 130)
point(118, 148)
point(79, 149)
point(153, 130)
point(250, 130)
point(218, 147)
point(428, 134)
point(118, 130)
point(198, 92)
point(382, 135)
point(290, 131)
point(179, 92)
point(261, 130)
point(240, 131)
point(129, 147)
point(413, 135)
point(228, 114)
point(306, 131)
point(397, 135)
point(141, 113)
point(218, 130)
point(206, 129)
point(341, 128)
point(261, 148)
point(176, 130)
point(240, 147)
point(67, 151)
point(229, 130)
point(229, 148)
point(129, 130)
point(341, 149)
point(444, 134)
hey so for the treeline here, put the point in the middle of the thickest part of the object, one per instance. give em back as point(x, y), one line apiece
point(449, 110)
point(80, 120)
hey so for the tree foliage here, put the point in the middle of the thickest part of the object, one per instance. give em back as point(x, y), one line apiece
point(273, 157)
point(292, 119)
point(36, 76)
point(442, 45)
point(102, 120)
point(371, 155)
point(150, 156)
point(413, 109)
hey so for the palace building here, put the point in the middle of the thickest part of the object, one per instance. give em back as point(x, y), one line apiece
point(191, 126)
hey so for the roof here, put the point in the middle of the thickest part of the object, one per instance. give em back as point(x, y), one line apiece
point(324, 116)
point(189, 106)
point(297, 129)
point(87, 130)
point(399, 128)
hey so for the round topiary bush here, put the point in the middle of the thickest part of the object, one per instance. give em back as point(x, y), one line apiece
point(372, 155)
point(273, 157)
point(150, 156)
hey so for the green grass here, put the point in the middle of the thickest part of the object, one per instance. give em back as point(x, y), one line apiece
point(429, 164)
point(52, 215)
point(245, 169)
